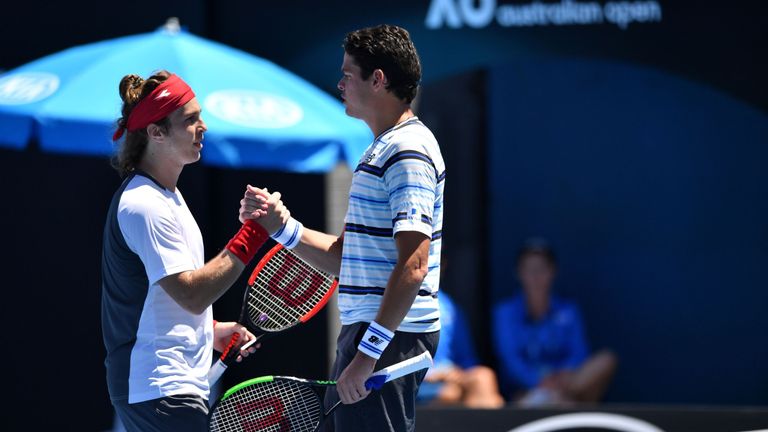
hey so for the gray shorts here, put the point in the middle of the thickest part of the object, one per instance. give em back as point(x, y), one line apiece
point(167, 414)
point(393, 408)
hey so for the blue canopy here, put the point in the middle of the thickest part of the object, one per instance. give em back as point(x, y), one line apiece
point(258, 114)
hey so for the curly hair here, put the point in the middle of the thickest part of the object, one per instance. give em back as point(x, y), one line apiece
point(389, 48)
point(133, 89)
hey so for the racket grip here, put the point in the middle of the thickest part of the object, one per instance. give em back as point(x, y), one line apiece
point(375, 382)
point(216, 371)
point(397, 370)
point(218, 368)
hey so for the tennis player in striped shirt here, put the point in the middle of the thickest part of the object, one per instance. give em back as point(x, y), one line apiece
point(388, 257)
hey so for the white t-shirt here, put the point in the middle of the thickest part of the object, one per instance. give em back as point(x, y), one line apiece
point(397, 186)
point(173, 348)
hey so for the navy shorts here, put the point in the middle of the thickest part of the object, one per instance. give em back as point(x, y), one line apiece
point(393, 408)
point(187, 413)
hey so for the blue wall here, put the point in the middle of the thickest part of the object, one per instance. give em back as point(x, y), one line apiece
point(653, 191)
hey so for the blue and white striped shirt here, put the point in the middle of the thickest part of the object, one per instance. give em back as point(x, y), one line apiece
point(397, 186)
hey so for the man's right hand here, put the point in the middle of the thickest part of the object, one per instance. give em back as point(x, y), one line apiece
point(267, 209)
point(254, 204)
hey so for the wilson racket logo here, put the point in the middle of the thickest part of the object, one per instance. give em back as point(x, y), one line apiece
point(261, 414)
point(293, 291)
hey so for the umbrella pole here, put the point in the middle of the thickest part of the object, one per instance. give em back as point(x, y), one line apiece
point(337, 184)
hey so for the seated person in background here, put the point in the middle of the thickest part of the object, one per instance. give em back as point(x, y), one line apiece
point(457, 378)
point(539, 340)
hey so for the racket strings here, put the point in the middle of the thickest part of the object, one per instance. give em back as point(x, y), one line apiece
point(301, 277)
point(291, 270)
point(286, 289)
point(276, 406)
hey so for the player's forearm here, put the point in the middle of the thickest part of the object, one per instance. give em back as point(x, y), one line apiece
point(403, 286)
point(405, 280)
point(321, 250)
point(195, 290)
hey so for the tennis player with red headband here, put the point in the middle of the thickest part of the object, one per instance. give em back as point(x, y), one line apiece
point(157, 290)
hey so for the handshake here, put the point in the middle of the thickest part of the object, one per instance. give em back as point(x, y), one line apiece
point(263, 215)
point(265, 208)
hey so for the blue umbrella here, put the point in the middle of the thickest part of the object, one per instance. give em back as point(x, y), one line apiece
point(258, 114)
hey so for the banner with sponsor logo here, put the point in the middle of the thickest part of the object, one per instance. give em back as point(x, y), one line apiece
point(603, 419)
point(459, 13)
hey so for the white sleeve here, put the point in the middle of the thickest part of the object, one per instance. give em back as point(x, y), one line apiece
point(153, 233)
point(411, 181)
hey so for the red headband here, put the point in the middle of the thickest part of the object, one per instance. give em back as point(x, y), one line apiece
point(169, 96)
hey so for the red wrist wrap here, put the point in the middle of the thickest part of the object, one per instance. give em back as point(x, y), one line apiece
point(247, 241)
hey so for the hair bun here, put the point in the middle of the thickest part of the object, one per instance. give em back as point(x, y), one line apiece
point(130, 88)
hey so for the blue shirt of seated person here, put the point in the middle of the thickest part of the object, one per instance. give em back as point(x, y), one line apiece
point(529, 349)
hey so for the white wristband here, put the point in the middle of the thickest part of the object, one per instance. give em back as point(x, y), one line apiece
point(289, 235)
point(375, 340)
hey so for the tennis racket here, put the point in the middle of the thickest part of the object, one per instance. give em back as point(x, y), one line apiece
point(283, 292)
point(289, 404)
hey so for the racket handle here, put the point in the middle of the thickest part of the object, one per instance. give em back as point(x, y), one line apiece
point(218, 368)
point(397, 370)
point(216, 371)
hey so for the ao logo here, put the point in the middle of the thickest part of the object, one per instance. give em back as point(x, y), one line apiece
point(253, 109)
point(611, 422)
point(454, 13)
point(27, 87)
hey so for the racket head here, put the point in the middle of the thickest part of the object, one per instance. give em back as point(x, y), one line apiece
point(284, 291)
point(270, 404)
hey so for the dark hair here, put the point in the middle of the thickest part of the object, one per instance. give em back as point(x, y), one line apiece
point(390, 49)
point(537, 246)
point(133, 89)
